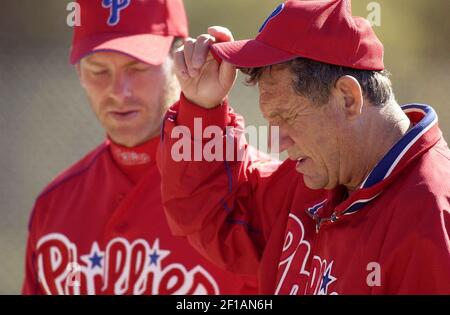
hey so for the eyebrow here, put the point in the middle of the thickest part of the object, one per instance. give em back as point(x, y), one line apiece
point(99, 64)
point(272, 113)
point(94, 63)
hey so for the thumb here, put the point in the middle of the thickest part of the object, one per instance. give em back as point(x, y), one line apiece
point(227, 74)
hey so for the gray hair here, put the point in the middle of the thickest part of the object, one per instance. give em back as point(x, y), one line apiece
point(314, 80)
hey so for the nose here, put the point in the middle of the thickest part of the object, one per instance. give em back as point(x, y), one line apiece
point(121, 87)
point(279, 139)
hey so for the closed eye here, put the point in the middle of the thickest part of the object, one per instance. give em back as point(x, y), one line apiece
point(98, 71)
point(274, 119)
point(140, 68)
point(291, 119)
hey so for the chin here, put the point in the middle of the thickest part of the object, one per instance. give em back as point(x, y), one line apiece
point(314, 183)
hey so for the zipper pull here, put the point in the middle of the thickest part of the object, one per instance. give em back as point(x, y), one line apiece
point(318, 223)
point(334, 217)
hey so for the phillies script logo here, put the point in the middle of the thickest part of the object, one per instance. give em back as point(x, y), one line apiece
point(122, 268)
point(297, 273)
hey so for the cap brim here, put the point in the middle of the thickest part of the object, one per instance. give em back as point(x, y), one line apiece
point(250, 53)
point(148, 48)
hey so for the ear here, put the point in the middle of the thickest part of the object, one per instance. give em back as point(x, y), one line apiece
point(350, 93)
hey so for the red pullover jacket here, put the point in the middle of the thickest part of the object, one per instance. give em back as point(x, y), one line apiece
point(99, 228)
point(391, 236)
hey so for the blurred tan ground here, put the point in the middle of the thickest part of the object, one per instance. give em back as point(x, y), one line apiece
point(46, 124)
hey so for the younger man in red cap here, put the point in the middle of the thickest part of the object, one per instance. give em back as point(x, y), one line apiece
point(363, 204)
point(99, 227)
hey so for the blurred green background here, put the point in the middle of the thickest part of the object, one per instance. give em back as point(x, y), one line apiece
point(46, 123)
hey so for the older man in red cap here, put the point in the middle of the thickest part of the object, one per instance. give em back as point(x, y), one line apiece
point(99, 227)
point(362, 206)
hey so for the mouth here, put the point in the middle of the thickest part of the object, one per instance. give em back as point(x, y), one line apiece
point(124, 115)
point(300, 162)
point(298, 158)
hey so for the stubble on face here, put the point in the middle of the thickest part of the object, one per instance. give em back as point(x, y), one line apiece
point(164, 90)
point(310, 129)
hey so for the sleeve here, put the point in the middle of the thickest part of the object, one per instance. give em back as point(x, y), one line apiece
point(30, 284)
point(216, 204)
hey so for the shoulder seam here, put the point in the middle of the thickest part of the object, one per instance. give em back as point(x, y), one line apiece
point(72, 175)
point(442, 154)
point(62, 181)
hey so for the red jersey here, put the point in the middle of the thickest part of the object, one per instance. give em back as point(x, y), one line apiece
point(99, 228)
point(390, 236)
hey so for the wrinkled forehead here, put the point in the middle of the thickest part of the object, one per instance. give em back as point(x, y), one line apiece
point(275, 76)
point(275, 81)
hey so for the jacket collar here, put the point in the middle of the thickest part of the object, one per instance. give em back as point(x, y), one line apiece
point(419, 139)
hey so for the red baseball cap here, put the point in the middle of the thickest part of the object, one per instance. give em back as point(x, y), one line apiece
point(142, 29)
point(324, 31)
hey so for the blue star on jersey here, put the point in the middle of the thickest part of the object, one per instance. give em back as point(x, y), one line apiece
point(96, 260)
point(154, 258)
point(327, 279)
point(156, 255)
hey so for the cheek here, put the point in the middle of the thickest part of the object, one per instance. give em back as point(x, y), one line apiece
point(148, 87)
point(324, 149)
point(96, 82)
point(96, 89)
point(310, 139)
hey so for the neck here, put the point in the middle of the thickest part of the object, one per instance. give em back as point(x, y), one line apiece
point(379, 130)
point(130, 142)
point(136, 161)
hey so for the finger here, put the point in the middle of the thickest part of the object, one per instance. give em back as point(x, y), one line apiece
point(201, 50)
point(181, 70)
point(189, 44)
point(221, 34)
